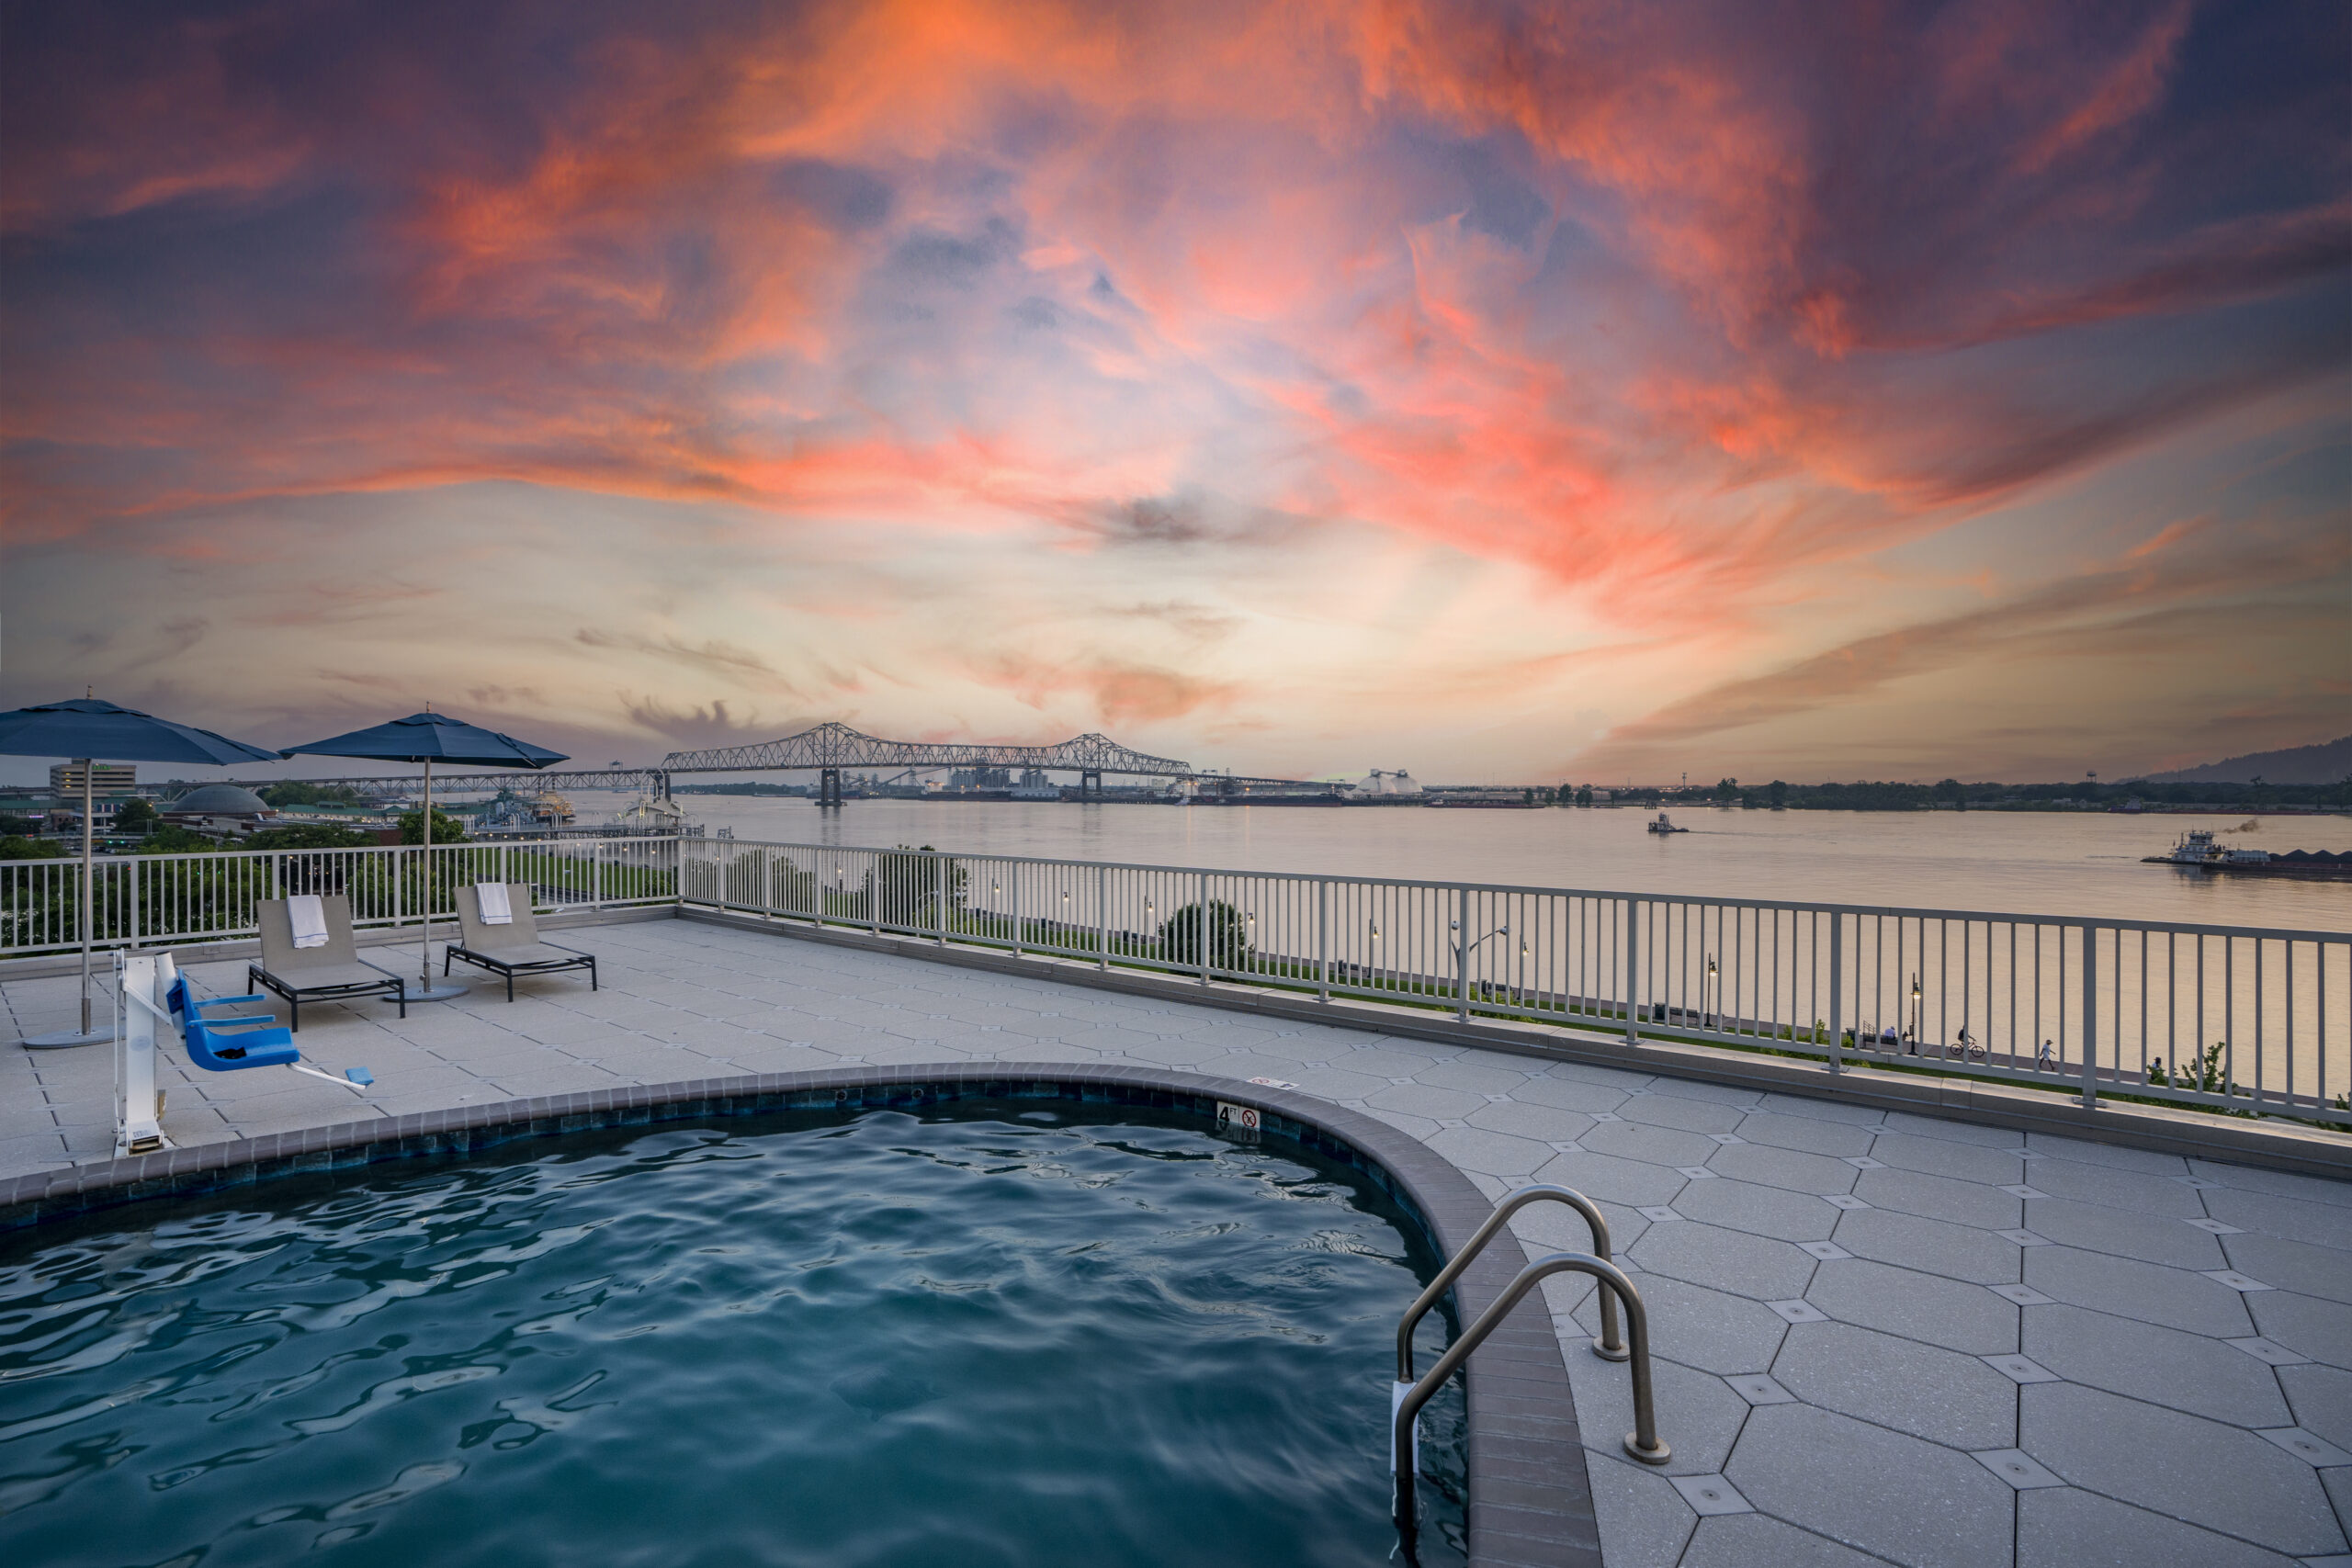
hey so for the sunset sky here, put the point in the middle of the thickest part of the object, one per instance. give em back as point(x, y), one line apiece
point(1505, 392)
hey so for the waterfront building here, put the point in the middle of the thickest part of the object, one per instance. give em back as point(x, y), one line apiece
point(1386, 784)
point(107, 778)
point(220, 809)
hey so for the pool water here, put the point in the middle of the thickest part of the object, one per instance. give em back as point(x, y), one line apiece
point(999, 1334)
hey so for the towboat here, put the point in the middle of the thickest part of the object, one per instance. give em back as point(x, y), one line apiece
point(2198, 846)
point(1665, 825)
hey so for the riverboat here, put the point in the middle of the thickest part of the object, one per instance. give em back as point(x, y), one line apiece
point(1666, 825)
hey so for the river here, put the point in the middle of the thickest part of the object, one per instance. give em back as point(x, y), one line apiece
point(2047, 863)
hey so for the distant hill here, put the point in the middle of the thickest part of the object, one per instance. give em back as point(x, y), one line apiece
point(2326, 763)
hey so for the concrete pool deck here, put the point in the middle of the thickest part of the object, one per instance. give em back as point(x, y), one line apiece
point(1882, 1336)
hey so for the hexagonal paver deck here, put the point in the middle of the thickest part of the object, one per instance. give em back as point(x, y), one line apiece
point(1873, 1346)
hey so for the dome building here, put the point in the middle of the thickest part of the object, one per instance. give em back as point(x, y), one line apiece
point(1377, 783)
point(218, 808)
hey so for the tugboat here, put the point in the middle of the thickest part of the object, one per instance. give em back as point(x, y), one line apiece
point(2197, 848)
point(1664, 825)
point(2198, 851)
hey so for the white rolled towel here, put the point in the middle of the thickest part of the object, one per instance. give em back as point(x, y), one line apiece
point(492, 898)
point(307, 913)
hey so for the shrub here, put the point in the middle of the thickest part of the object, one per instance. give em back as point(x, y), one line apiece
point(1228, 936)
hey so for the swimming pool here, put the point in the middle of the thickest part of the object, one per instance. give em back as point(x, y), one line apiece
point(998, 1334)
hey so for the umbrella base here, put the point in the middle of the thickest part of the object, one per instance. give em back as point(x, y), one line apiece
point(66, 1039)
point(436, 991)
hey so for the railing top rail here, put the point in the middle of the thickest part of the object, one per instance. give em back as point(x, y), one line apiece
point(194, 857)
point(2268, 933)
point(1639, 896)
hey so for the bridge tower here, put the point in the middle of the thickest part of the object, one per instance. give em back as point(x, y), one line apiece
point(1090, 783)
point(829, 786)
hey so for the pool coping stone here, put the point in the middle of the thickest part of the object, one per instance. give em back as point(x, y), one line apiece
point(1535, 1511)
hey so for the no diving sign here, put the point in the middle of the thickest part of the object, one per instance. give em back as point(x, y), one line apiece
point(1232, 1118)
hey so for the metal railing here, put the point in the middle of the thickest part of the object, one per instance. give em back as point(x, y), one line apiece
point(153, 901)
point(2229, 1018)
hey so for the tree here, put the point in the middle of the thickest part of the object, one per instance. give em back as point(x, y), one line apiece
point(137, 816)
point(1584, 795)
point(319, 836)
point(446, 830)
point(1227, 932)
point(16, 847)
point(1778, 794)
point(1727, 789)
point(175, 840)
point(297, 791)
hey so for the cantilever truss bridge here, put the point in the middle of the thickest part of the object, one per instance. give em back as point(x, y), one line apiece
point(827, 749)
point(839, 746)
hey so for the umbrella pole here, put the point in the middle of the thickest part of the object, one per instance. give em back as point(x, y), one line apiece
point(85, 1035)
point(89, 769)
point(424, 947)
point(426, 992)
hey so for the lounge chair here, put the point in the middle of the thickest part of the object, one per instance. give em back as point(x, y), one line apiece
point(513, 948)
point(332, 972)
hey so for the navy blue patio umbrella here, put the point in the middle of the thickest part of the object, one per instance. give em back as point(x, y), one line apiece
point(429, 738)
point(82, 731)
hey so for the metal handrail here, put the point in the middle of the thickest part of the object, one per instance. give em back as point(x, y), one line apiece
point(2222, 1016)
point(1609, 1346)
point(1642, 1442)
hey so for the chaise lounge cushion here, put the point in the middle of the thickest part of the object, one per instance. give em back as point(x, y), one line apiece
point(300, 973)
point(513, 948)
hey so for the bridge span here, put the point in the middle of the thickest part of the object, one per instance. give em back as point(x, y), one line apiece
point(828, 749)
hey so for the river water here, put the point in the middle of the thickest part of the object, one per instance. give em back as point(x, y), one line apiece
point(2046, 863)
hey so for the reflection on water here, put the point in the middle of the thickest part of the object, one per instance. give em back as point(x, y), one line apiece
point(2026, 862)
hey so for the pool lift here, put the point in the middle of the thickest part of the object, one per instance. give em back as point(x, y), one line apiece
point(1409, 1394)
point(153, 1000)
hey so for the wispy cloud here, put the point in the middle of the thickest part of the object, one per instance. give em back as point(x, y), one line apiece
point(1361, 335)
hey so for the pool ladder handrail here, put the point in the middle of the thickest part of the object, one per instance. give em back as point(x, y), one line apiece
point(1642, 1442)
point(1608, 1348)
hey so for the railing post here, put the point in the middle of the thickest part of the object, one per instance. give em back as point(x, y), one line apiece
point(1102, 916)
point(1836, 992)
point(1462, 955)
point(596, 875)
point(1633, 972)
point(1201, 925)
point(940, 873)
point(1322, 940)
point(1012, 873)
point(2091, 1015)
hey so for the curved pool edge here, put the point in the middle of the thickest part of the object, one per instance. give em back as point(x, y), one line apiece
point(1530, 1500)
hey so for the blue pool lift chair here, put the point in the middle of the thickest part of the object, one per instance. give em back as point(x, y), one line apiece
point(248, 1040)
